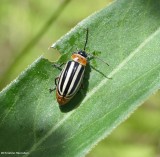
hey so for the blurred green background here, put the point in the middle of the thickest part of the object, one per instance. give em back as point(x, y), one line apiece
point(26, 33)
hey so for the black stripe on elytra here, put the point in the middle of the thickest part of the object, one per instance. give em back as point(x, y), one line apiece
point(76, 64)
point(65, 74)
point(77, 80)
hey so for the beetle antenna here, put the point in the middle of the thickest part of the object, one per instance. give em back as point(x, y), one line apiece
point(86, 39)
point(87, 30)
point(101, 60)
point(98, 59)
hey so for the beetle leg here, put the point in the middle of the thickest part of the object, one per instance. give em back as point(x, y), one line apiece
point(52, 89)
point(82, 86)
point(56, 80)
point(58, 66)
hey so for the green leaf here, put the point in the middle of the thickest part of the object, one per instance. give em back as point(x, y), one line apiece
point(127, 33)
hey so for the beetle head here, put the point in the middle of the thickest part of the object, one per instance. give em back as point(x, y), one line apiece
point(82, 53)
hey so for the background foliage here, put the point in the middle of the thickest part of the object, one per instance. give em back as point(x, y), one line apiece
point(20, 21)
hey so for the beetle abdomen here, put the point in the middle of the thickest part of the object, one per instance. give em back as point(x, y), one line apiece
point(70, 79)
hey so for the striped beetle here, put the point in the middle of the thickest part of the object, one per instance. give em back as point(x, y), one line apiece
point(71, 76)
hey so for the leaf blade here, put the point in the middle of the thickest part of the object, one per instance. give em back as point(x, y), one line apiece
point(107, 103)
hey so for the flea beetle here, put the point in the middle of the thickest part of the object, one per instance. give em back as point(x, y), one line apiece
point(71, 76)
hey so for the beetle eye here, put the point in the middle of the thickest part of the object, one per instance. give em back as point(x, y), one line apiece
point(83, 53)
